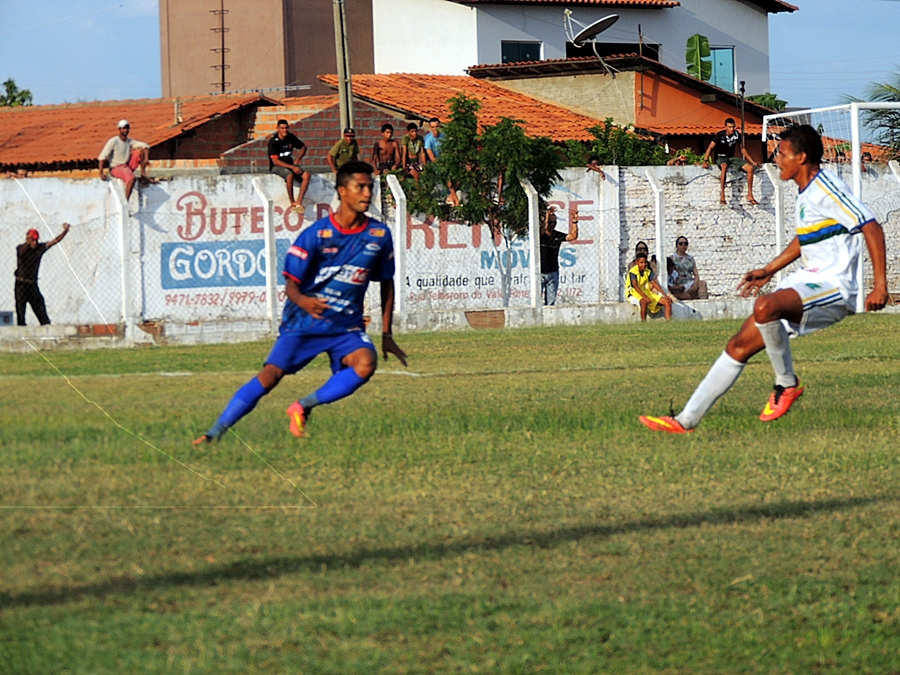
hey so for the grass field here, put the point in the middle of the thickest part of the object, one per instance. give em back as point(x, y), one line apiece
point(496, 508)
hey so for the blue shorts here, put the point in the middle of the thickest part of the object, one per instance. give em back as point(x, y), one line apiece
point(292, 352)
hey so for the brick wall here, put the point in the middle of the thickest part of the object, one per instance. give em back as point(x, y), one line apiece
point(320, 131)
point(210, 140)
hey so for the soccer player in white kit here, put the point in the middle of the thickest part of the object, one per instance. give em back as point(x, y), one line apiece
point(828, 219)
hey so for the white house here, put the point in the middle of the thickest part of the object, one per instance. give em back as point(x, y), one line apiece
point(445, 37)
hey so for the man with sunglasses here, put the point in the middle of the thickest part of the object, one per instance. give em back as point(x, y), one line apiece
point(828, 220)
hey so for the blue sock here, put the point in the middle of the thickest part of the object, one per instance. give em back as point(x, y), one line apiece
point(243, 401)
point(341, 384)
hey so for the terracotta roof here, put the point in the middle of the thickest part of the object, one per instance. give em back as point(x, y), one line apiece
point(76, 132)
point(425, 96)
point(700, 129)
point(621, 62)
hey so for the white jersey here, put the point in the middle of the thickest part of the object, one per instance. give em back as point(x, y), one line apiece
point(828, 216)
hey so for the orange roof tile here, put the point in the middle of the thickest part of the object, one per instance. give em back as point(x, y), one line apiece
point(76, 132)
point(426, 96)
point(698, 129)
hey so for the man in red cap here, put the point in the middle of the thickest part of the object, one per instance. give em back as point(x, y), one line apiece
point(29, 257)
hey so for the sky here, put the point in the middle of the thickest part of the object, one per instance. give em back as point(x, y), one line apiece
point(84, 50)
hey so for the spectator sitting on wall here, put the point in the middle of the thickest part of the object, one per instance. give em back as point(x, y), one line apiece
point(686, 283)
point(345, 150)
point(724, 144)
point(386, 153)
point(281, 162)
point(551, 240)
point(28, 262)
point(643, 290)
point(594, 165)
point(124, 155)
point(412, 149)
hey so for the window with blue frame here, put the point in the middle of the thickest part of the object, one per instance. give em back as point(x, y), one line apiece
point(722, 67)
point(515, 52)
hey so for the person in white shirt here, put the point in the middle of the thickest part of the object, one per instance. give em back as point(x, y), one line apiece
point(829, 220)
point(123, 155)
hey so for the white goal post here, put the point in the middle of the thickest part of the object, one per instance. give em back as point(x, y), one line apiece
point(840, 127)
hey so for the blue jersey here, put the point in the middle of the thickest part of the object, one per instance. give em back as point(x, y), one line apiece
point(336, 264)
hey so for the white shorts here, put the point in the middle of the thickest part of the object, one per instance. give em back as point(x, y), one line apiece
point(823, 303)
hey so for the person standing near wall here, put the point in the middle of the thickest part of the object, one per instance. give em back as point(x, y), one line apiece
point(551, 240)
point(28, 258)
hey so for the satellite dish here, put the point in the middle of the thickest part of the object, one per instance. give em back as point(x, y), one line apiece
point(592, 31)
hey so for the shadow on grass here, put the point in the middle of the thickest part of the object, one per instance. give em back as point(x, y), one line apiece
point(265, 568)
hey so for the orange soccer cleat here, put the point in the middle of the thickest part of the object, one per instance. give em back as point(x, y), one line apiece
point(298, 417)
point(667, 424)
point(780, 401)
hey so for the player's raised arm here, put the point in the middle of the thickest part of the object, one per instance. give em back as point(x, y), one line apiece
point(878, 297)
point(388, 346)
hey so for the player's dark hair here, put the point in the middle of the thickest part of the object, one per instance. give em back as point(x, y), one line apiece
point(433, 119)
point(280, 122)
point(729, 120)
point(411, 126)
point(803, 138)
point(348, 170)
point(593, 158)
point(386, 126)
point(639, 256)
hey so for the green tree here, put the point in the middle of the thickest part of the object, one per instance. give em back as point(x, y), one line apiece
point(623, 146)
point(13, 96)
point(486, 167)
point(697, 56)
point(884, 124)
point(769, 101)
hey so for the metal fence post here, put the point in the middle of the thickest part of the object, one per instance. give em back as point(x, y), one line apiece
point(127, 316)
point(660, 198)
point(772, 173)
point(399, 248)
point(271, 254)
point(534, 240)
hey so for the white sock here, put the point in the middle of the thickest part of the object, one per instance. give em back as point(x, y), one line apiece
point(723, 374)
point(778, 347)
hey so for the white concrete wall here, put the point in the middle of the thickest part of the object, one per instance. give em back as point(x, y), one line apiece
point(177, 234)
point(423, 36)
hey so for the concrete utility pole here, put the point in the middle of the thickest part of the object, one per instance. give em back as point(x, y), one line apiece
point(342, 52)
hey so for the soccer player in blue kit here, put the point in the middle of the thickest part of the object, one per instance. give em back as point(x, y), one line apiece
point(328, 270)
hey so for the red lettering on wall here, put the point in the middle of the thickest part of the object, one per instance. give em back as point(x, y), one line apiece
point(297, 220)
point(424, 227)
point(213, 227)
point(574, 204)
point(193, 204)
point(443, 235)
point(476, 236)
point(238, 213)
point(257, 218)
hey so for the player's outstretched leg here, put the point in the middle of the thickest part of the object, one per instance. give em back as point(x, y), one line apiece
point(720, 378)
point(359, 366)
point(243, 401)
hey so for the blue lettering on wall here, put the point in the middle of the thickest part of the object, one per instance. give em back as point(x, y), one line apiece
point(217, 263)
